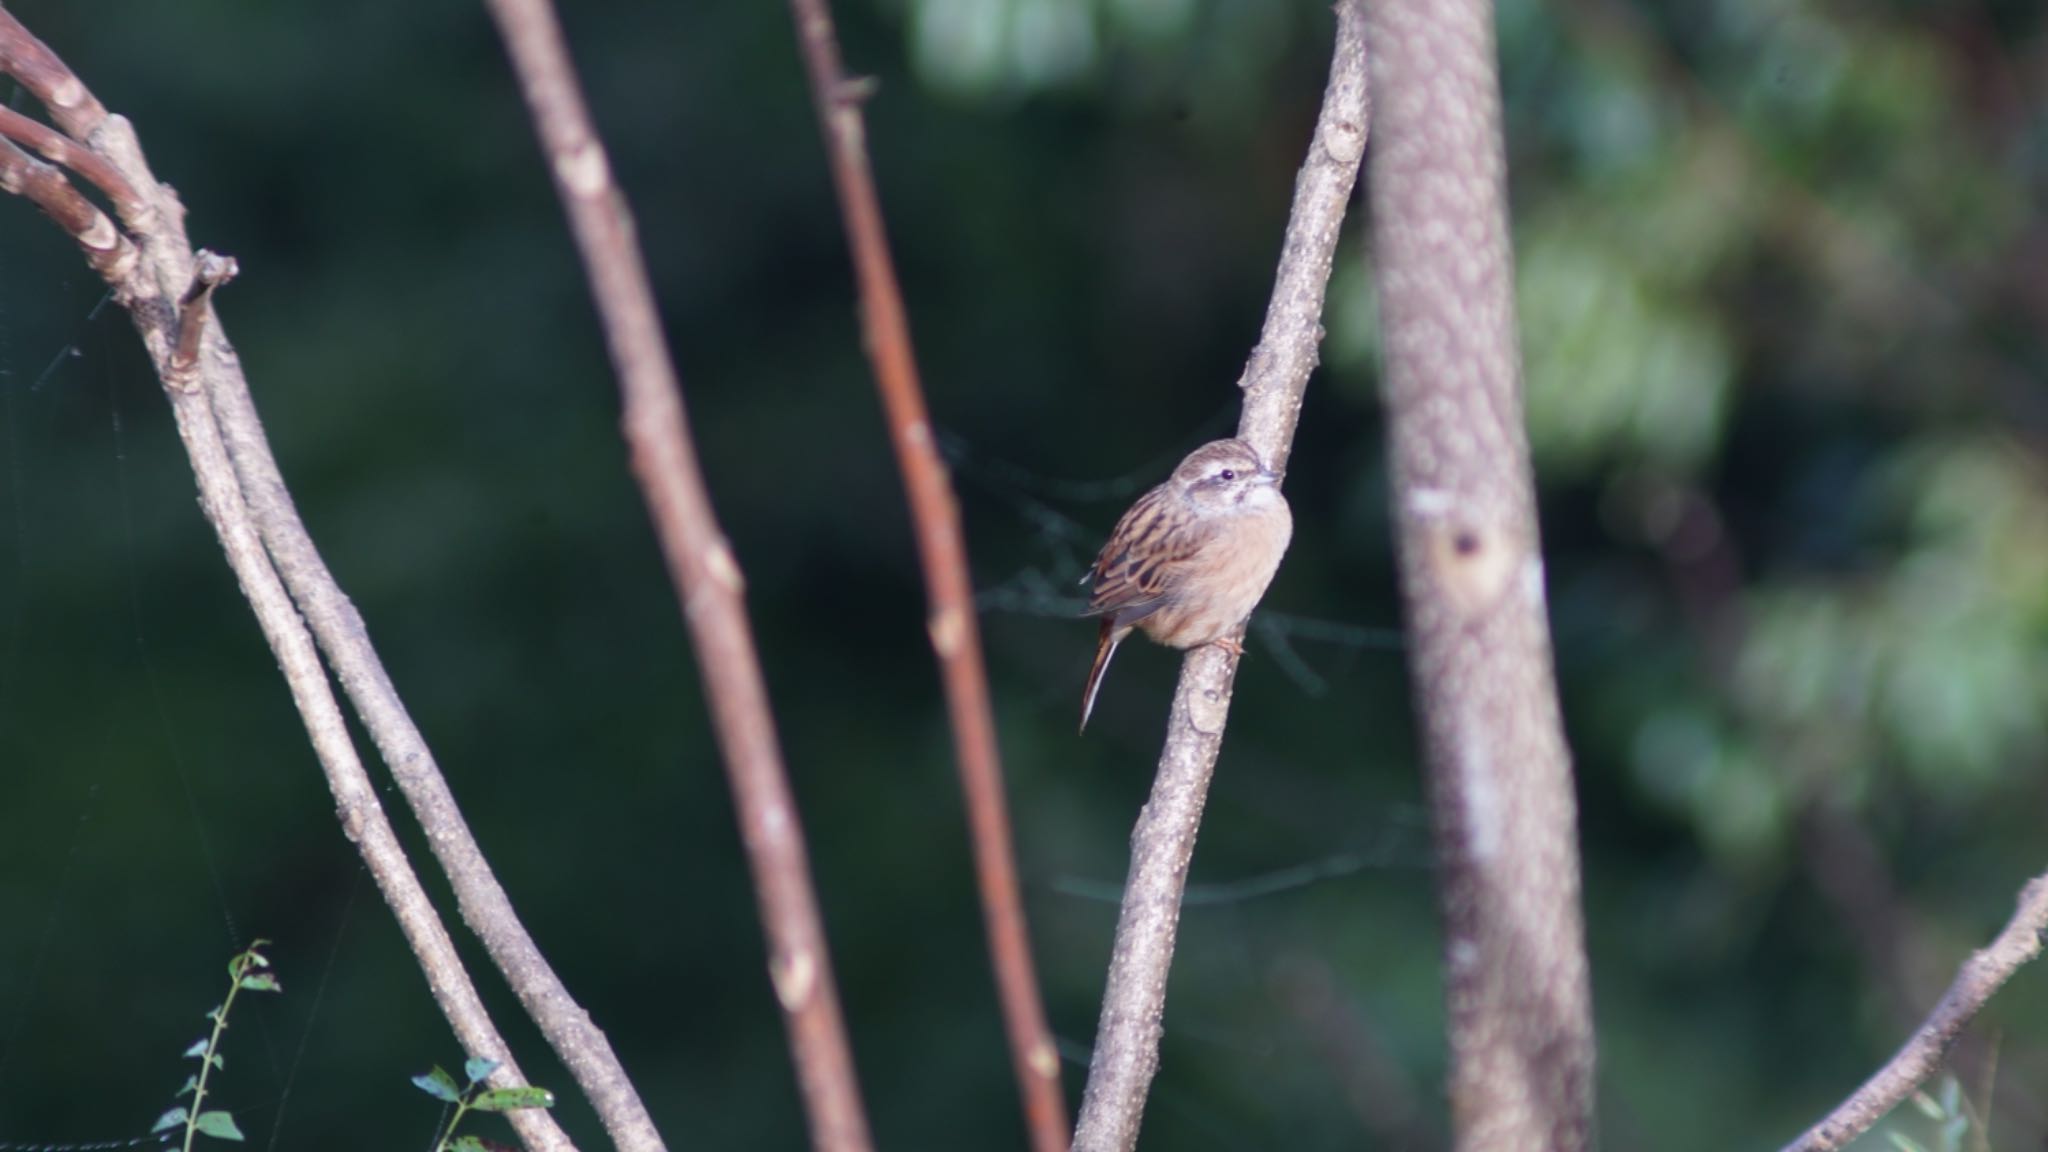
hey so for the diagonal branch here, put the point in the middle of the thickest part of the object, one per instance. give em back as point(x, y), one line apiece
point(954, 629)
point(1127, 1039)
point(57, 148)
point(362, 817)
point(110, 253)
point(700, 562)
point(1983, 974)
point(166, 288)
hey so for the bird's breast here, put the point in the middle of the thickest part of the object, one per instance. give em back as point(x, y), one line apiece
point(1224, 580)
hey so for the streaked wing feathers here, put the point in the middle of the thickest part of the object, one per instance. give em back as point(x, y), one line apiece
point(1140, 569)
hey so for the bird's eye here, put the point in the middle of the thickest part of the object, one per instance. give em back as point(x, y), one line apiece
point(1228, 474)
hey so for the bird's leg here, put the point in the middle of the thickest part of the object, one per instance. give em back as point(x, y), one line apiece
point(1230, 644)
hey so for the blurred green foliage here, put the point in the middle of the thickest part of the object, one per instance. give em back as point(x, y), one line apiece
point(1784, 287)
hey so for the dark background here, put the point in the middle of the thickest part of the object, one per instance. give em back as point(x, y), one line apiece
point(1784, 285)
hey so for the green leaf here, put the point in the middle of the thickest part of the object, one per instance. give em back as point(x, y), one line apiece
point(168, 1121)
point(440, 1085)
point(479, 1069)
point(1927, 1106)
point(1904, 1143)
point(261, 982)
point(197, 1050)
point(1951, 1096)
point(467, 1144)
point(513, 1099)
point(218, 1125)
point(191, 1085)
point(218, 1061)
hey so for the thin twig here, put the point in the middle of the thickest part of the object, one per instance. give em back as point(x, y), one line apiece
point(158, 285)
point(108, 251)
point(706, 576)
point(1983, 974)
point(954, 629)
point(47, 78)
point(57, 148)
point(1127, 1039)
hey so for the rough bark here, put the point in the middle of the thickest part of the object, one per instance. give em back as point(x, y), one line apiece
point(1472, 580)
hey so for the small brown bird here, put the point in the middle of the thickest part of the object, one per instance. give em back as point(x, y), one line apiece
point(1191, 558)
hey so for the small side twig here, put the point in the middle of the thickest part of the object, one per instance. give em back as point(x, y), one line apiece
point(212, 270)
point(1983, 974)
point(1127, 1039)
point(953, 626)
point(701, 563)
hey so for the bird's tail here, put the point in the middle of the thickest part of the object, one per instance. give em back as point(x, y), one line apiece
point(1105, 647)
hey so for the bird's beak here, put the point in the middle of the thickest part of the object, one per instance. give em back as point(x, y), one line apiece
point(1268, 477)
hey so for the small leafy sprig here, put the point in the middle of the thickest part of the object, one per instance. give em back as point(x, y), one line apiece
point(250, 970)
point(1951, 1116)
point(476, 1096)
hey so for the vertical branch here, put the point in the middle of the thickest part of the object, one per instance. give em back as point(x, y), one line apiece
point(954, 630)
point(706, 576)
point(1134, 1002)
point(1520, 1012)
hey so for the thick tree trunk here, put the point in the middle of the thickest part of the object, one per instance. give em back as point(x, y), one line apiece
point(1472, 578)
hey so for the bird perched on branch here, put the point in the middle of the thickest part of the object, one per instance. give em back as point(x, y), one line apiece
point(1191, 558)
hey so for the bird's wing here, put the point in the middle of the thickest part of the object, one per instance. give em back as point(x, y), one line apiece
point(1140, 570)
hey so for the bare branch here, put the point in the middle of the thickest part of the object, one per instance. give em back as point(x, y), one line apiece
point(57, 148)
point(953, 626)
point(1127, 1038)
point(1983, 974)
point(71, 105)
point(706, 576)
point(345, 640)
point(108, 251)
point(362, 817)
point(167, 290)
point(1521, 1032)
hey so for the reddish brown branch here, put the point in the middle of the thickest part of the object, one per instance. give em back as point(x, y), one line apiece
point(1983, 974)
point(706, 576)
point(1126, 1052)
point(954, 629)
point(57, 148)
point(70, 103)
point(108, 251)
